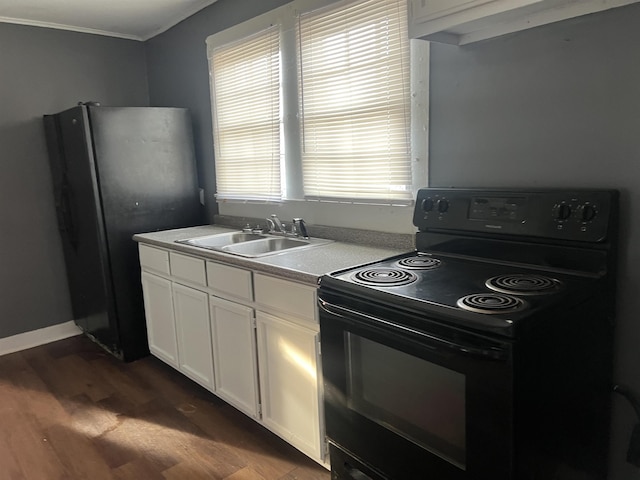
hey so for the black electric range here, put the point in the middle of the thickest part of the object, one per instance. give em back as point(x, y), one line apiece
point(484, 353)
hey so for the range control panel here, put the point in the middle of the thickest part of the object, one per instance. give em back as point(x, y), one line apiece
point(581, 215)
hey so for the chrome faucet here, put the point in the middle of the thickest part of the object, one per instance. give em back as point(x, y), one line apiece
point(275, 226)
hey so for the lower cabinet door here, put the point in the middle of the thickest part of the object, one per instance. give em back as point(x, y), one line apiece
point(234, 350)
point(289, 378)
point(161, 327)
point(194, 334)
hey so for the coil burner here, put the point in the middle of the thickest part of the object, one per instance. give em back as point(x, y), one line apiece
point(491, 303)
point(524, 284)
point(419, 262)
point(387, 277)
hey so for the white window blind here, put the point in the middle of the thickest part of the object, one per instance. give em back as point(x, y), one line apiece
point(354, 86)
point(246, 95)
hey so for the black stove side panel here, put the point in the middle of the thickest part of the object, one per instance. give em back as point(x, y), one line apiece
point(563, 395)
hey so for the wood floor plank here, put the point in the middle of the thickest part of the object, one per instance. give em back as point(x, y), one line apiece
point(175, 387)
point(72, 346)
point(29, 447)
point(70, 411)
point(245, 474)
point(11, 364)
point(10, 467)
point(262, 450)
point(78, 456)
point(90, 418)
point(134, 438)
point(200, 464)
point(35, 398)
point(125, 385)
point(138, 469)
point(68, 376)
point(307, 473)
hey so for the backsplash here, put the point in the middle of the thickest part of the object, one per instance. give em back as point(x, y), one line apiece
point(400, 241)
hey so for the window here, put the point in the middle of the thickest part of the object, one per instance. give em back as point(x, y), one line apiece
point(246, 88)
point(354, 102)
point(319, 101)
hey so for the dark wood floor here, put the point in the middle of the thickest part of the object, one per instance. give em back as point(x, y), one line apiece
point(68, 410)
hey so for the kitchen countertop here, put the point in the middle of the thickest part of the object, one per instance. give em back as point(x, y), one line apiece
point(306, 265)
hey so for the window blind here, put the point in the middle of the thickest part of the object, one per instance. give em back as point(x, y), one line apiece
point(246, 95)
point(355, 103)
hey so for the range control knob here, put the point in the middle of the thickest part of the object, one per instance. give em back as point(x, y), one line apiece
point(563, 211)
point(588, 212)
point(443, 205)
point(427, 204)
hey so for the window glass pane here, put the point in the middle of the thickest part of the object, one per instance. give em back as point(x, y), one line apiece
point(355, 102)
point(246, 94)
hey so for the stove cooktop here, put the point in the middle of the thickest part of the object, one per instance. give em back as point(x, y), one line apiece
point(473, 290)
point(486, 259)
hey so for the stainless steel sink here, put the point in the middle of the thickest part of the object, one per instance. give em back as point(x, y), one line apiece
point(252, 244)
point(264, 247)
point(221, 239)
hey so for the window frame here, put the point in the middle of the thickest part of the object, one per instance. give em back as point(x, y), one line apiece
point(382, 216)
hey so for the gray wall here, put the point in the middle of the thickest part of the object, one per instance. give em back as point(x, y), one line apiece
point(558, 106)
point(46, 71)
point(179, 73)
point(553, 106)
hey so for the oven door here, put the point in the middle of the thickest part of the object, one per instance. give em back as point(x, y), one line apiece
point(410, 404)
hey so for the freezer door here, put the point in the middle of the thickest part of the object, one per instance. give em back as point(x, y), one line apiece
point(81, 223)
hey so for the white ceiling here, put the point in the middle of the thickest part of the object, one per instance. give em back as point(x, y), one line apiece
point(132, 19)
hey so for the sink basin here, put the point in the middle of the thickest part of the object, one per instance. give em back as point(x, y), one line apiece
point(265, 246)
point(221, 239)
point(251, 244)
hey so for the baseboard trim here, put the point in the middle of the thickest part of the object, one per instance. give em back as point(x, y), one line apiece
point(26, 340)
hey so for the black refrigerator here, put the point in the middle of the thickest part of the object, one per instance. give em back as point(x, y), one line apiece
point(118, 171)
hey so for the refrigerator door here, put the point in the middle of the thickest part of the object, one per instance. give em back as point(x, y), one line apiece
point(117, 172)
point(147, 180)
point(81, 223)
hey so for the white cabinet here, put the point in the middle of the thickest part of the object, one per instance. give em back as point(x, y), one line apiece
point(252, 339)
point(234, 351)
point(161, 330)
point(285, 298)
point(289, 362)
point(460, 22)
point(177, 316)
point(289, 382)
point(188, 269)
point(193, 330)
point(230, 281)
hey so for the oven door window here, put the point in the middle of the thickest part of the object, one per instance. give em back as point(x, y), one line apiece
point(419, 400)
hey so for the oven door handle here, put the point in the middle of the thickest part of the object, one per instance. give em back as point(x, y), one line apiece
point(493, 352)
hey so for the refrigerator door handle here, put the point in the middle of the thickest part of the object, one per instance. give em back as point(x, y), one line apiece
point(67, 224)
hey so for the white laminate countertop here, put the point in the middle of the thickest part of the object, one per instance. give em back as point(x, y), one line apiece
point(306, 265)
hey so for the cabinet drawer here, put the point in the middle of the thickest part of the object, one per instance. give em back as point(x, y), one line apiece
point(154, 259)
point(232, 281)
point(283, 296)
point(188, 268)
